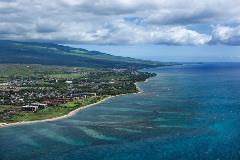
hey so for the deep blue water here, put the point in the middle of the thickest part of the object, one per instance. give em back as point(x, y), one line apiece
point(186, 112)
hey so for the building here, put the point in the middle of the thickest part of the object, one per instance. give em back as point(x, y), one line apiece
point(69, 82)
point(40, 105)
point(4, 84)
point(30, 108)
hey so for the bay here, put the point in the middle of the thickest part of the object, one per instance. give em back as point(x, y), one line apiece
point(185, 112)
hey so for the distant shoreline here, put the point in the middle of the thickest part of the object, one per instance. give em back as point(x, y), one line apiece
point(4, 125)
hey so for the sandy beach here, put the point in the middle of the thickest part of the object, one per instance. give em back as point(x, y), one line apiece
point(56, 118)
point(2, 125)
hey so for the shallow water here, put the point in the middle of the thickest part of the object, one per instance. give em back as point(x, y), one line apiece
point(186, 112)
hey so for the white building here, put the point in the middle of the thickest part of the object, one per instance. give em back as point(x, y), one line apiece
point(30, 108)
point(40, 105)
point(69, 82)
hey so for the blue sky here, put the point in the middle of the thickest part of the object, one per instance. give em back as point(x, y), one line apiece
point(166, 30)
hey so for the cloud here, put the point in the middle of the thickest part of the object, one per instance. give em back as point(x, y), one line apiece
point(124, 32)
point(110, 7)
point(226, 35)
point(194, 12)
point(121, 21)
point(47, 26)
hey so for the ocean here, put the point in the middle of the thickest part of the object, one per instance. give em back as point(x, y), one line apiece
point(186, 112)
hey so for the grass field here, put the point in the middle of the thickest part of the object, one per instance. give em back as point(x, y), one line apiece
point(52, 111)
point(10, 70)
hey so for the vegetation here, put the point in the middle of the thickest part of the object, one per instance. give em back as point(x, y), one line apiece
point(36, 75)
point(53, 54)
point(63, 88)
point(51, 112)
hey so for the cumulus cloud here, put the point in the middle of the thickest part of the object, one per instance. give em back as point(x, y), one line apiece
point(121, 21)
point(226, 35)
point(123, 32)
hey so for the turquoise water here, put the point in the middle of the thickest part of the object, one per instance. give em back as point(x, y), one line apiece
point(186, 112)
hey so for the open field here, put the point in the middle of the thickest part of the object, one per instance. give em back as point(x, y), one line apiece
point(51, 111)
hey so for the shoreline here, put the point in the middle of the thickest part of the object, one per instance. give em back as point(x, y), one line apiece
point(4, 125)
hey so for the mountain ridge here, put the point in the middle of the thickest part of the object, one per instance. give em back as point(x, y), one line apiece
point(55, 54)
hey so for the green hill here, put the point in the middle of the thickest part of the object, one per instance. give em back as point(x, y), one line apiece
point(54, 54)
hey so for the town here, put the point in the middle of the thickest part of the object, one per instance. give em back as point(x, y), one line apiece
point(39, 87)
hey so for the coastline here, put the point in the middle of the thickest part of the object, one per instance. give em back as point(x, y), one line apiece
point(4, 125)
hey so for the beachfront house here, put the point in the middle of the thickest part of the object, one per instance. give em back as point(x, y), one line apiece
point(40, 105)
point(30, 108)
